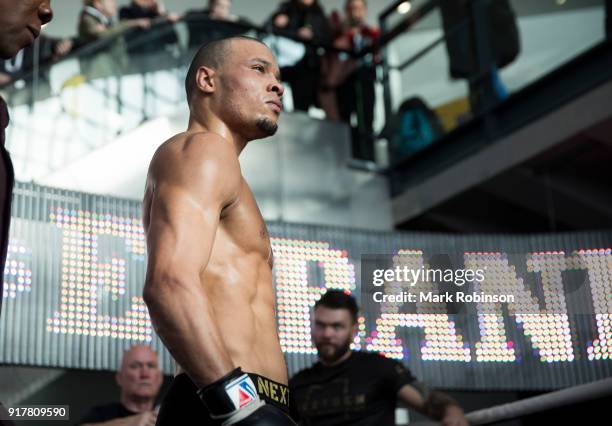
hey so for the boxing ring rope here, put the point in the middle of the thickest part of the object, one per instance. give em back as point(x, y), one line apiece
point(536, 404)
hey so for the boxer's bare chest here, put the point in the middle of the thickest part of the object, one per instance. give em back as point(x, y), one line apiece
point(243, 223)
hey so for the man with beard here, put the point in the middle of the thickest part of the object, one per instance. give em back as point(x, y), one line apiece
point(208, 285)
point(357, 388)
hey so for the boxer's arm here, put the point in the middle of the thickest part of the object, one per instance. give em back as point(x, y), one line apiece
point(189, 191)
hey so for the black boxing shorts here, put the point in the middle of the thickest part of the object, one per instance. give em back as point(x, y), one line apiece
point(182, 405)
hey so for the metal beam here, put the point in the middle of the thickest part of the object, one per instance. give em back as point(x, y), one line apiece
point(511, 151)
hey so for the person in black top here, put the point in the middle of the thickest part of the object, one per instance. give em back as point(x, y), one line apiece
point(139, 379)
point(306, 20)
point(218, 10)
point(214, 22)
point(150, 9)
point(137, 42)
point(48, 49)
point(357, 388)
point(349, 84)
point(20, 24)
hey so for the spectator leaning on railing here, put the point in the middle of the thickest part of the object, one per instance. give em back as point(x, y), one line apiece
point(219, 10)
point(49, 49)
point(347, 84)
point(150, 9)
point(200, 29)
point(97, 20)
point(307, 20)
point(43, 52)
point(156, 14)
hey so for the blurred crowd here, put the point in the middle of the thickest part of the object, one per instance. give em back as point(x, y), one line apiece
point(334, 81)
point(328, 58)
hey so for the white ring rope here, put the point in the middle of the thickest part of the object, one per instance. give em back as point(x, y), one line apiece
point(536, 404)
point(573, 395)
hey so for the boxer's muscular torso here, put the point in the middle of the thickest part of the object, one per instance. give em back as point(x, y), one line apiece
point(238, 279)
point(238, 282)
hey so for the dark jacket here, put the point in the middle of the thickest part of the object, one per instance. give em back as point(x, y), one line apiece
point(7, 180)
point(134, 11)
point(25, 58)
point(202, 28)
point(300, 16)
point(502, 27)
point(138, 42)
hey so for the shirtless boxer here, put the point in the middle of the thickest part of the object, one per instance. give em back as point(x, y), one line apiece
point(209, 276)
point(20, 24)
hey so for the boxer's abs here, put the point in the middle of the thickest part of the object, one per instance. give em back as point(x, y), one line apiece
point(242, 300)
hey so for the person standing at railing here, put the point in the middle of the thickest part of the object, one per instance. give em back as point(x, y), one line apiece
point(217, 10)
point(97, 21)
point(200, 29)
point(307, 20)
point(155, 13)
point(49, 49)
point(148, 9)
point(20, 24)
point(476, 32)
point(348, 84)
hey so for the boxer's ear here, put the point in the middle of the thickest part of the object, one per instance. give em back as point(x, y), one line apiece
point(205, 79)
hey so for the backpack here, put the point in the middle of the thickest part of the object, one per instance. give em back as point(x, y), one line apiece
point(414, 127)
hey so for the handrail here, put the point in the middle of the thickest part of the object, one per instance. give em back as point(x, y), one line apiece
point(535, 404)
point(99, 45)
point(418, 55)
point(105, 42)
point(389, 10)
point(411, 19)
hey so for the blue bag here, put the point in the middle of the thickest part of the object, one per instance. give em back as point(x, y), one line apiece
point(411, 129)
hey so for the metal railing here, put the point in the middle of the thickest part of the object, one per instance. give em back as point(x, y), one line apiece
point(537, 404)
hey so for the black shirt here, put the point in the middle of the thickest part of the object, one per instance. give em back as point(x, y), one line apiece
point(134, 11)
point(300, 15)
point(7, 180)
point(360, 391)
point(104, 413)
point(136, 39)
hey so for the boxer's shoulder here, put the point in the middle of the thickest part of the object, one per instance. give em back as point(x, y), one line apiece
point(197, 146)
point(203, 157)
